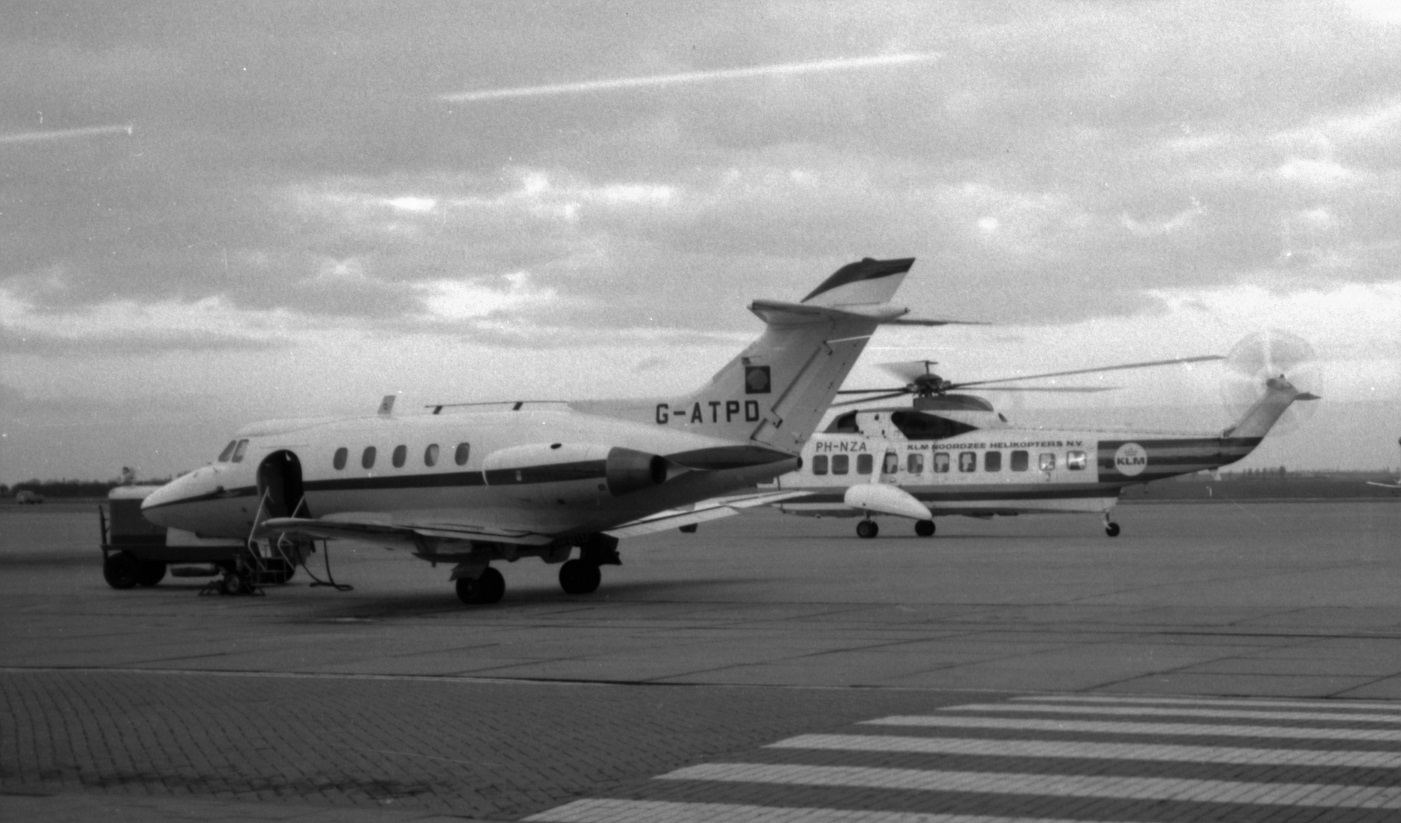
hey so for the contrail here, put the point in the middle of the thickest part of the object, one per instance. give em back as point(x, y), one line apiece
point(64, 134)
point(840, 64)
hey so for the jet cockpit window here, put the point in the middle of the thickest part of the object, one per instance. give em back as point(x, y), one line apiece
point(1075, 461)
point(460, 456)
point(914, 464)
point(430, 455)
point(227, 452)
point(841, 464)
point(941, 462)
point(239, 451)
point(1020, 461)
point(864, 462)
point(967, 461)
point(1047, 462)
point(819, 464)
point(992, 462)
point(401, 453)
point(342, 454)
point(367, 458)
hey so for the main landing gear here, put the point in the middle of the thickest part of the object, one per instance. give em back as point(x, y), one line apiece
point(485, 588)
point(867, 529)
point(1110, 527)
point(924, 528)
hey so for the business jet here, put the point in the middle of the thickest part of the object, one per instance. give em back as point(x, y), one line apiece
point(471, 484)
point(1396, 485)
point(955, 454)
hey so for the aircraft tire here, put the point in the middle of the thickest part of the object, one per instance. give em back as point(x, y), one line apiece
point(924, 528)
point(1111, 529)
point(235, 583)
point(121, 570)
point(491, 586)
point(150, 572)
point(579, 577)
point(867, 529)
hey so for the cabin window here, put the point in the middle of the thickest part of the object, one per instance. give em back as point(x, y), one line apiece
point(401, 453)
point(1047, 462)
point(228, 450)
point(1020, 461)
point(841, 464)
point(967, 461)
point(430, 455)
point(819, 464)
point(342, 454)
point(864, 462)
point(1075, 461)
point(891, 464)
point(367, 458)
point(941, 462)
point(460, 456)
point(914, 464)
point(993, 462)
point(239, 451)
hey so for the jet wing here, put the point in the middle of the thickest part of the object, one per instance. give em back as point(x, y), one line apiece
point(712, 509)
point(378, 527)
point(1384, 485)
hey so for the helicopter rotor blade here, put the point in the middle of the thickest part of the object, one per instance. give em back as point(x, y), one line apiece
point(873, 391)
point(1199, 359)
point(1078, 389)
point(900, 393)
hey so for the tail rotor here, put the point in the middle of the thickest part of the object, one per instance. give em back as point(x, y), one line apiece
point(1264, 355)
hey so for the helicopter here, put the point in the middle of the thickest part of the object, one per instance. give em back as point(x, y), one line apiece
point(952, 453)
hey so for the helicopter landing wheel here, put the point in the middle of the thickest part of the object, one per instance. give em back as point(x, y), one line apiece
point(924, 528)
point(1111, 528)
point(867, 529)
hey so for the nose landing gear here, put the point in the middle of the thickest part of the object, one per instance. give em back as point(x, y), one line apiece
point(1110, 527)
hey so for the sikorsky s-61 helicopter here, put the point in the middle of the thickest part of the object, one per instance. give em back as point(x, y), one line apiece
point(953, 453)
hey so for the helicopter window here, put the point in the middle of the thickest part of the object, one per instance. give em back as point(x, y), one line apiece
point(367, 458)
point(239, 450)
point(430, 455)
point(342, 454)
point(1075, 461)
point(401, 453)
point(993, 462)
point(460, 456)
point(892, 463)
point(864, 462)
point(228, 450)
point(844, 424)
point(841, 464)
point(914, 464)
point(941, 462)
point(819, 464)
point(967, 461)
point(1047, 462)
point(1019, 461)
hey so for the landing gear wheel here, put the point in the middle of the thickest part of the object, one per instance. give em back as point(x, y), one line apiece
point(488, 587)
point(1111, 529)
point(579, 577)
point(150, 572)
point(867, 529)
point(924, 528)
point(234, 583)
point(121, 570)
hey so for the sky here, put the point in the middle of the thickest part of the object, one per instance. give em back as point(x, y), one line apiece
point(216, 213)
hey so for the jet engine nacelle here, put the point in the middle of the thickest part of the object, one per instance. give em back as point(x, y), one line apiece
point(571, 472)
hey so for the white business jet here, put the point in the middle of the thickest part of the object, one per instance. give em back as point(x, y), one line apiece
point(471, 484)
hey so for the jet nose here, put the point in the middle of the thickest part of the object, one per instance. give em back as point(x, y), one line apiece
point(168, 505)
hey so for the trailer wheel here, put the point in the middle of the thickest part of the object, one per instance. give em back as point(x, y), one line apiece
point(121, 570)
point(150, 572)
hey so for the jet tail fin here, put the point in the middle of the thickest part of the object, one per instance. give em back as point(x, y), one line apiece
point(777, 389)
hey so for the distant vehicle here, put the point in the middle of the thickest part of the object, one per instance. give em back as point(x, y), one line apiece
point(137, 552)
point(25, 497)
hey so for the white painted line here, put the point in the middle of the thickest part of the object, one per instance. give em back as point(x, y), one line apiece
point(1326, 758)
point(1151, 711)
point(650, 811)
point(1261, 703)
point(1053, 785)
point(1027, 724)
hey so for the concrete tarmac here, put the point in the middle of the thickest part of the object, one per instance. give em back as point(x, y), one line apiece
point(395, 701)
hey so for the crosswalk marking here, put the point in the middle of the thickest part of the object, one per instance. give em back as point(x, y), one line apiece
point(1328, 795)
point(1115, 727)
point(1155, 711)
point(1338, 755)
point(1063, 749)
point(1339, 706)
point(650, 811)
